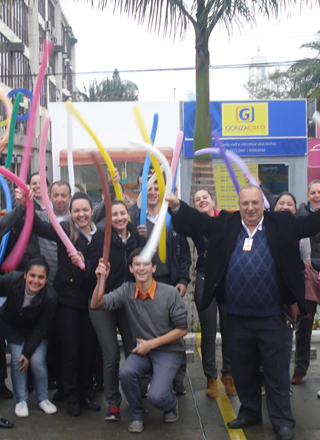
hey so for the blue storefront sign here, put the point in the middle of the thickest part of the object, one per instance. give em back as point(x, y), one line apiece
point(254, 128)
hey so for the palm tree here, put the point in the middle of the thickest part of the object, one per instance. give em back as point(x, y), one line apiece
point(174, 16)
point(110, 90)
point(300, 80)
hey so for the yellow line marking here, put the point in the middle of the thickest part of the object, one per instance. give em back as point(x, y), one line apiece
point(226, 409)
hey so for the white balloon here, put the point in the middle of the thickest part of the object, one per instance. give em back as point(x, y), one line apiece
point(153, 241)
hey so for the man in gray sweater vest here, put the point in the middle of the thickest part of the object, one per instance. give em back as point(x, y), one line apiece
point(158, 321)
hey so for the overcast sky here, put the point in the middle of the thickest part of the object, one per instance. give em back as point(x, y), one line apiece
point(106, 41)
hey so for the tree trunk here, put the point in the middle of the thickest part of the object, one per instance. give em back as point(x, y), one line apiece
point(202, 170)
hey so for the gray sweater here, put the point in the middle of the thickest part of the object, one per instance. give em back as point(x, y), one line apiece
point(149, 318)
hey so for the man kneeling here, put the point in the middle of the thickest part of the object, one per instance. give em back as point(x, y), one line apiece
point(158, 321)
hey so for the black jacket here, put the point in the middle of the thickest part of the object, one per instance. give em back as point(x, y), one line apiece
point(73, 285)
point(31, 323)
point(178, 253)
point(283, 234)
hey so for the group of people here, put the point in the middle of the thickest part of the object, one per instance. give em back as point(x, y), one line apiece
point(249, 268)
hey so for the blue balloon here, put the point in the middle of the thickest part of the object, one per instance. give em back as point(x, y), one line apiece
point(26, 92)
point(5, 238)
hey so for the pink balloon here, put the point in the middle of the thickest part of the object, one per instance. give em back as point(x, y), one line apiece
point(14, 258)
point(44, 192)
point(176, 154)
point(48, 46)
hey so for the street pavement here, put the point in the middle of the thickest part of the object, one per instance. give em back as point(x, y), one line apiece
point(200, 418)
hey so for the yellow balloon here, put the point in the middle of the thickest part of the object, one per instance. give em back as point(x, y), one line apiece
point(160, 180)
point(104, 153)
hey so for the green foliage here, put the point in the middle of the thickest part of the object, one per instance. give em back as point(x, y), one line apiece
point(111, 90)
point(301, 80)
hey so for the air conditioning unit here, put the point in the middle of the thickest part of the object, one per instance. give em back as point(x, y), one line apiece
point(48, 26)
point(64, 83)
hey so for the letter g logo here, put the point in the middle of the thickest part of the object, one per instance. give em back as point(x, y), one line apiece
point(245, 114)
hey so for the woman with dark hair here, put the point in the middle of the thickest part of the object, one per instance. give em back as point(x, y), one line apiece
point(74, 288)
point(26, 318)
point(124, 239)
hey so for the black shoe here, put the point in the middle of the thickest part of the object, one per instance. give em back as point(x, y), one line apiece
point(5, 423)
point(58, 395)
point(5, 393)
point(87, 402)
point(241, 422)
point(74, 409)
point(285, 433)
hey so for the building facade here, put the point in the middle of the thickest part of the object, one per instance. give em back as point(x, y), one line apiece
point(23, 28)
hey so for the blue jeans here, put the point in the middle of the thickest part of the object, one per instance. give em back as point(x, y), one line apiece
point(39, 372)
point(164, 365)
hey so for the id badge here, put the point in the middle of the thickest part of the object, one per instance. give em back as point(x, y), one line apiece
point(247, 245)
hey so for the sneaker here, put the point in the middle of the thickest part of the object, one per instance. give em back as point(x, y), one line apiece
point(318, 394)
point(113, 413)
point(21, 409)
point(5, 393)
point(229, 385)
point(136, 426)
point(47, 407)
point(297, 378)
point(212, 388)
point(291, 391)
point(179, 388)
point(171, 416)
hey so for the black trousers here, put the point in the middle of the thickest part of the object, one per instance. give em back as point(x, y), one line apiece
point(255, 341)
point(77, 351)
point(303, 339)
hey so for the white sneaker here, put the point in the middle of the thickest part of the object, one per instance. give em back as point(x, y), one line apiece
point(47, 407)
point(21, 409)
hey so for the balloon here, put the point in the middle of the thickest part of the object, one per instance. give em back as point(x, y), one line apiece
point(13, 260)
point(104, 153)
point(70, 153)
point(12, 128)
point(239, 162)
point(48, 46)
point(5, 238)
point(160, 180)
point(176, 153)
point(174, 168)
point(107, 232)
point(26, 92)
point(145, 172)
point(227, 161)
point(44, 192)
point(152, 243)
point(8, 107)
